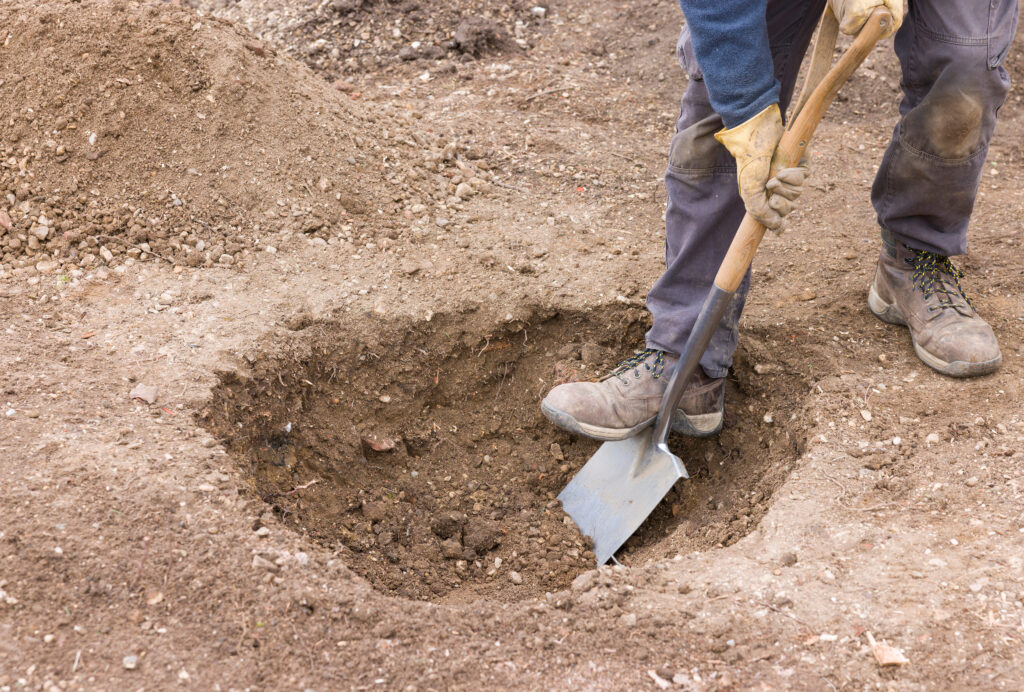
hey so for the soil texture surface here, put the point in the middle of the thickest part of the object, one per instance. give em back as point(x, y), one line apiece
point(282, 285)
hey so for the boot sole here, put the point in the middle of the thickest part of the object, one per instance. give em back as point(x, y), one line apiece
point(701, 425)
point(890, 313)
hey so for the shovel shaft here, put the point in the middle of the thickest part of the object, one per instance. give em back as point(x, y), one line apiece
point(792, 148)
point(710, 316)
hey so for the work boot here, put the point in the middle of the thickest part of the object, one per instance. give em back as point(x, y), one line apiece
point(627, 400)
point(921, 290)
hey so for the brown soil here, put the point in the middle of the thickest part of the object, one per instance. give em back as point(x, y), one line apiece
point(205, 119)
point(437, 480)
point(353, 37)
point(454, 236)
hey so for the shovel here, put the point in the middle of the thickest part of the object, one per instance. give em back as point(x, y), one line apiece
point(624, 481)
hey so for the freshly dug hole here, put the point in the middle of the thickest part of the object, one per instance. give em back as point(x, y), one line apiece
point(420, 454)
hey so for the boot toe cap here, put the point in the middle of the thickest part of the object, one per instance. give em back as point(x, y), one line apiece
point(963, 350)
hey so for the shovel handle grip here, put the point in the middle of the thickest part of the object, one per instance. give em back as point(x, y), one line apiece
point(793, 145)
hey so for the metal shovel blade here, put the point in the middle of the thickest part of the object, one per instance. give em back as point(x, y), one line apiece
point(615, 491)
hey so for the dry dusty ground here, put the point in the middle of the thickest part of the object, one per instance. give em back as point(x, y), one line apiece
point(352, 280)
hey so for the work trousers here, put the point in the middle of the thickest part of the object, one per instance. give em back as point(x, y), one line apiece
point(951, 54)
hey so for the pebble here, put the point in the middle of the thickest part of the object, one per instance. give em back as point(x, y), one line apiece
point(628, 620)
point(263, 532)
point(806, 294)
point(464, 190)
point(130, 662)
point(865, 414)
point(144, 392)
point(106, 254)
point(788, 559)
point(260, 562)
point(515, 578)
point(932, 438)
point(971, 482)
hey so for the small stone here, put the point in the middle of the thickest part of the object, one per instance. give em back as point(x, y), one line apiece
point(47, 266)
point(556, 451)
point(270, 248)
point(628, 620)
point(263, 532)
point(515, 577)
point(130, 662)
point(464, 191)
point(40, 232)
point(584, 582)
point(971, 482)
point(806, 294)
point(865, 414)
point(764, 368)
point(260, 562)
point(538, 12)
point(788, 559)
point(207, 488)
point(226, 259)
point(384, 399)
point(768, 418)
point(144, 392)
point(106, 254)
point(932, 438)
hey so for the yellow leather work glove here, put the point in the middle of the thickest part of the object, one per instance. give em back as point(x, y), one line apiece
point(753, 144)
point(852, 14)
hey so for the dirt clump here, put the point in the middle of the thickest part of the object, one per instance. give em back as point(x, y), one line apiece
point(149, 132)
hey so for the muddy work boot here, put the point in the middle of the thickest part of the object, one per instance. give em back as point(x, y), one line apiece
point(921, 290)
point(626, 402)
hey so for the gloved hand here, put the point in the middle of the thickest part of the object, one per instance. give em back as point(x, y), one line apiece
point(753, 145)
point(852, 14)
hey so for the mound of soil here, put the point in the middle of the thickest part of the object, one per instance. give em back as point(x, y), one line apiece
point(133, 132)
point(346, 37)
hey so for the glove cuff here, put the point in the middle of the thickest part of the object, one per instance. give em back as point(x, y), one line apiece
point(755, 137)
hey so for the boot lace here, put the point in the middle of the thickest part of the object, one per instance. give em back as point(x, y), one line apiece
point(936, 275)
point(634, 362)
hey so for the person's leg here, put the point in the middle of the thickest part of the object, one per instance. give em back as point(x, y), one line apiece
point(924, 193)
point(704, 206)
point(704, 211)
point(953, 85)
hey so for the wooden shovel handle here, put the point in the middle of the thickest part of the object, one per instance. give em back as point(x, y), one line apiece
point(794, 142)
